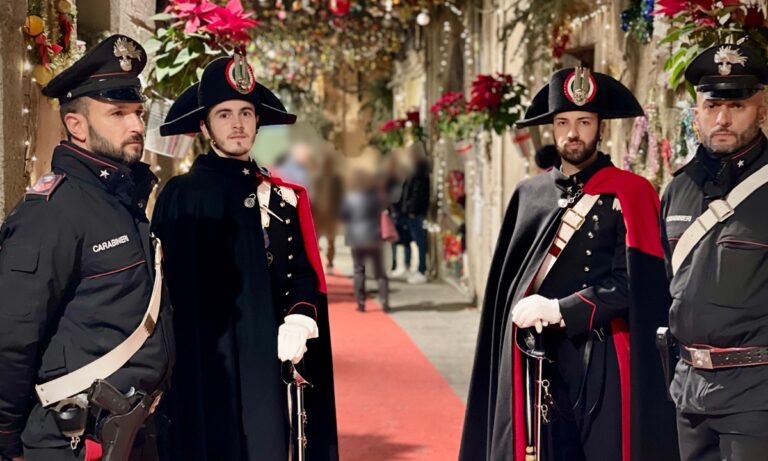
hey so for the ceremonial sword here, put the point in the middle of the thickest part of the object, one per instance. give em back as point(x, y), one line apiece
point(292, 378)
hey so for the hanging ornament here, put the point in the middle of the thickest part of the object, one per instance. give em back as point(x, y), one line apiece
point(33, 25)
point(339, 7)
point(42, 74)
point(423, 18)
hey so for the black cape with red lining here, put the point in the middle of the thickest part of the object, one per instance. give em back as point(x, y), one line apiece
point(227, 400)
point(530, 225)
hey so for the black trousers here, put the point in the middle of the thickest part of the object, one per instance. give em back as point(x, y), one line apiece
point(584, 427)
point(736, 437)
point(359, 256)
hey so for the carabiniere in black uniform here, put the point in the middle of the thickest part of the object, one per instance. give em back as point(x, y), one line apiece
point(76, 275)
point(719, 312)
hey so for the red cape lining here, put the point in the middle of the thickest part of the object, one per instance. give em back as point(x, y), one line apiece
point(307, 229)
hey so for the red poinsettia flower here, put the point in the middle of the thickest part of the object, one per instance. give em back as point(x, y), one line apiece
point(392, 125)
point(230, 22)
point(671, 7)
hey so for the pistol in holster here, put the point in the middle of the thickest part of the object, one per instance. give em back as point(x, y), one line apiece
point(667, 345)
point(120, 417)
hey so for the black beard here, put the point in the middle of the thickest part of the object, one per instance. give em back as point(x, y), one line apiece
point(100, 145)
point(580, 156)
point(742, 140)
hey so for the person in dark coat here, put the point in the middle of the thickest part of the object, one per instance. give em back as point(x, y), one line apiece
point(415, 206)
point(77, 265)
point(393, 188)
point(361, 211)
point(719, 311)
point(577, 279)
point(245, 277)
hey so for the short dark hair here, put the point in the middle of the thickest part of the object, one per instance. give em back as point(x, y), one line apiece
point(73, 106)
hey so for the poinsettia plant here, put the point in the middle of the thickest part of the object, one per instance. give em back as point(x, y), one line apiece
point(392, 134)
point(191, 34)
point(497, 100)
point(696, 25)
point(452, 117)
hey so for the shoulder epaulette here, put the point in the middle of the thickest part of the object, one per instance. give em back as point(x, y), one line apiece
point(289, 195)
point(46, 185)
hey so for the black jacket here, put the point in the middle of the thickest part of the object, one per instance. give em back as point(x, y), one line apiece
point(361, 211)
point(76, 275)
point(720, 293)
point(415, 198)
point(233, 283)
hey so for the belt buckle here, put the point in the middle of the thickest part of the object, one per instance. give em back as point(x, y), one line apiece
point(721, 209)
point(569, 216)
point(702, 358)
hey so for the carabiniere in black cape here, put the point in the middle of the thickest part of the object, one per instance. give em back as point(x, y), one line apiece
point(230, 293)
point(609, 276)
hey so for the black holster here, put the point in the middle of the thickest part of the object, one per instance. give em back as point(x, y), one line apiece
point(669, 353)
point(120, 419)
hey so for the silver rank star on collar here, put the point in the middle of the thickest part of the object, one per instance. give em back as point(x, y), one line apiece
point(740, 163)
point(246, 171)
point(104, 174)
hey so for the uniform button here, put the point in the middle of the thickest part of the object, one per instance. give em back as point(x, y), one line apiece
point(583, 285)
point(589, 252)
point(141, 204)
point(595, 218)
point(290, 257)
point(287, 221)
point(591, 235)
point(290, 239)
point(282, 204)
point(586, 268)
point(600, 202)
point(290, 275)
point(287, 293)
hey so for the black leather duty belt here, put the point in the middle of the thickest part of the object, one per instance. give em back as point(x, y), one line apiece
point(714, 358)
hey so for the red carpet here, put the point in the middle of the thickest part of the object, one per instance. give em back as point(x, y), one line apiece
point(392, 403)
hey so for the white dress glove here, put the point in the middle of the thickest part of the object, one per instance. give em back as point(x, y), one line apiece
point(292, 337)
point(537, 311)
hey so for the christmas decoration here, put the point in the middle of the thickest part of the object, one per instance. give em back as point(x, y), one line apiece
point(197, 32)
point(49, 27)
point(497, 100)
point(452, 118)
point(695, 25)
point(637, 20)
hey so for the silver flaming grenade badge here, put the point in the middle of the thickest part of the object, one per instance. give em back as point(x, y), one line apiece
point(727, 57)
point(126, 50)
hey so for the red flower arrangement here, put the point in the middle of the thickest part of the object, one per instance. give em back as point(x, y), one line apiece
point(696, 25)
point(497, 100)
point(392, 125)
point(228, 22)
point(452, 116)
point(453, 247)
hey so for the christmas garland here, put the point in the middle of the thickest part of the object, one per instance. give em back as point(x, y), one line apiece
point(51, 37)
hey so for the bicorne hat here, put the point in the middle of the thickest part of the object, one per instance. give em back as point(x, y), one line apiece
point(579, 89)
point(223, 79)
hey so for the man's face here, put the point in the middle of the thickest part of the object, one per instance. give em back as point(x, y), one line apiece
point(232, 127)
point(576, 135)
point(115, 129)
point(727, 126)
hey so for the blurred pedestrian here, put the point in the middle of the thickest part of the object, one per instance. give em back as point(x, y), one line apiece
point(329, 191)
point(361, 211)
point(393, 189)
point(415, 204)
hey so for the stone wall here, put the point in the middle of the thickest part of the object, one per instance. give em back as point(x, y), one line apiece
point(12, 123)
